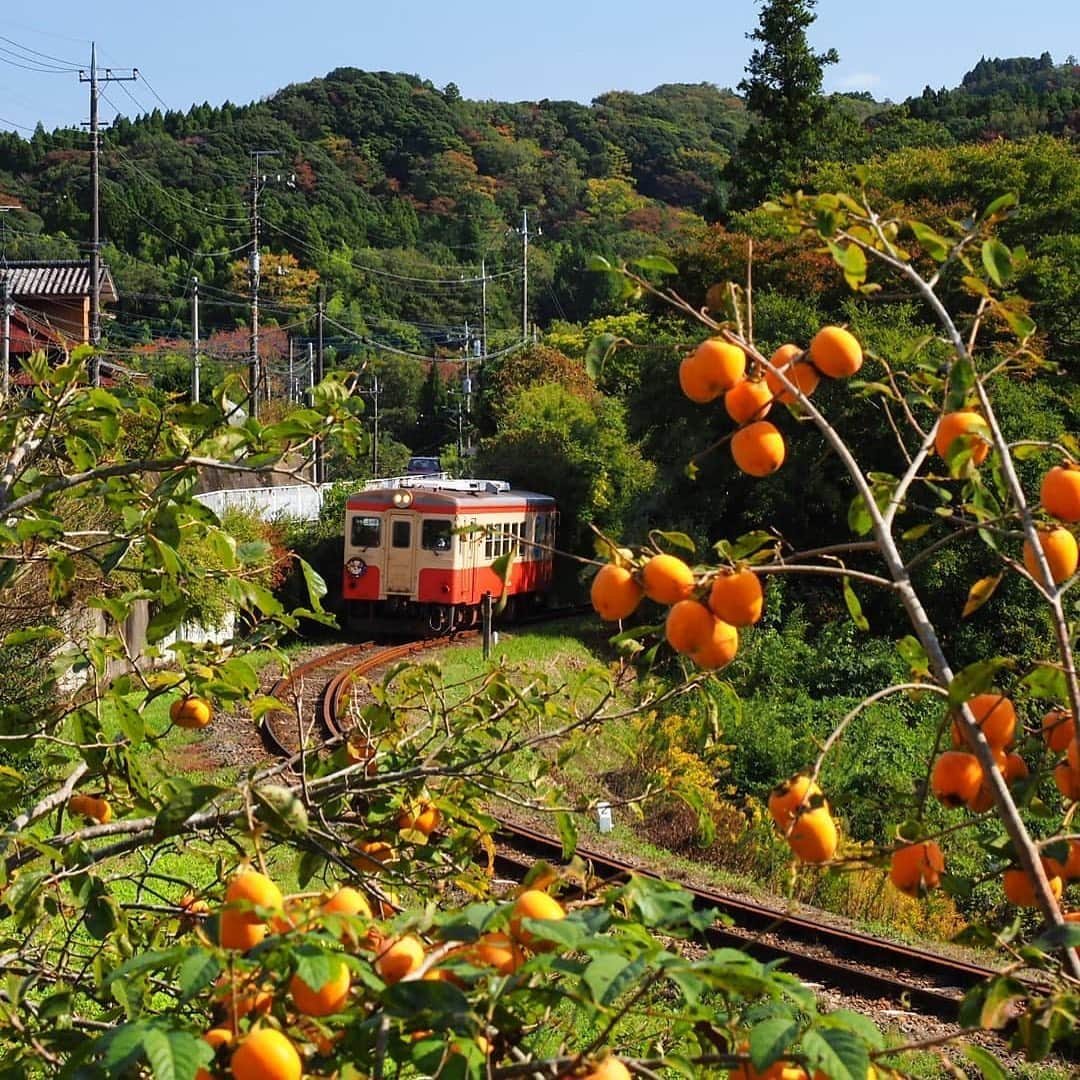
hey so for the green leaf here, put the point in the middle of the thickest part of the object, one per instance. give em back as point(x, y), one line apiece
point(961, 380)
point(980, 592)
point(152, 960)
point(187, 800)
point(567, 834)
point(655, 264)
point(985, 1062)
point(281, 809)
point(1066, 936)
point(998, 1005)
point(838, 1053)
point(770, 1039)
point(608, 975)
point(854, 607)
point(316, 586)
point(858, 516)
point(165, 620)
point(934, 244)
point(914, 655)
point(976, 678)
point(852, 261)
point(676, 539)
point(1000, 205)
point(1022, 325)
point(917, 532)
point(997, 260)
point(175, 1055)
point(1046, 682)
point(599, 263)
point(197, 971)
point(130, 719)
point(600, 350)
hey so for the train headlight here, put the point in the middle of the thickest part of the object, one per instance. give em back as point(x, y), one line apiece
point(356, 567)
point(401, 499)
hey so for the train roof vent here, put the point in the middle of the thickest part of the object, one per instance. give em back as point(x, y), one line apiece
point(440, 483)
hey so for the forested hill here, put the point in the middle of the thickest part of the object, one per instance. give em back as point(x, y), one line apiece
point(389, 172)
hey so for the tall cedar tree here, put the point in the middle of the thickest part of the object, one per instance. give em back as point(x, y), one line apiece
point(783, 91)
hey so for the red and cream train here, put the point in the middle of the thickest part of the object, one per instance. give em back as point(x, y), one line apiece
point(407, 556)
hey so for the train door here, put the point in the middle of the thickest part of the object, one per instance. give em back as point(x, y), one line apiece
point(399, 556)
point(468, 545)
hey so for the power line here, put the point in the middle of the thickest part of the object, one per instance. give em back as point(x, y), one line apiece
point(43, 55)
point(449, 282)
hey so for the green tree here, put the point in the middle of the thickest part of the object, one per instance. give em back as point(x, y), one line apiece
point(783, 91)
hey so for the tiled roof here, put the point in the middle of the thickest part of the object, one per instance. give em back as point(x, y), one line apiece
point(60, 278)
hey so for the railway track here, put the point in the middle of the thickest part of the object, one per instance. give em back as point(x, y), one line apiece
point(844, 960)
point(915, 980)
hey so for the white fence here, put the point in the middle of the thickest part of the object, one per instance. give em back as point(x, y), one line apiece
point(303, 502)
point(299, 501)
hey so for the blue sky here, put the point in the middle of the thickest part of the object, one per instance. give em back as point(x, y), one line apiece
point(203, 51)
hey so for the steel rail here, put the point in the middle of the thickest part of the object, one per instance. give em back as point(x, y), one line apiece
point(851, 953)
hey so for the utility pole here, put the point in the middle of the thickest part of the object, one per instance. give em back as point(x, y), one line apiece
point(254, 364)
point(311, 372)
point(320, 316)
point(289, 388)
point(195, 338)
point(5, 336)
point(483, 302)
point(524, 230)
point(375, 440)
point(95, 202)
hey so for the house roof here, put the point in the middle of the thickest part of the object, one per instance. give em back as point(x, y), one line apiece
point(28, 334)
point(57, 278)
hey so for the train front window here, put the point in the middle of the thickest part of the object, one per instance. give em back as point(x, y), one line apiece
point(435, 535)
point(365, 532)
point(401, 534)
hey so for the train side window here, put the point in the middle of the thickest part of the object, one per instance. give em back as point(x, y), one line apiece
point(489, 546)
point(365, 532)
point(401, 534)
point(435, 535)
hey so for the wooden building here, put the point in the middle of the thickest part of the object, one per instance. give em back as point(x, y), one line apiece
point(56, 294)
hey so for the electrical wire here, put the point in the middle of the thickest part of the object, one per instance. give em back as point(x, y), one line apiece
point(448, 282)
point(43, 55)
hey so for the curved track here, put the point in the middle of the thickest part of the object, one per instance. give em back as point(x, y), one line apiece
point(853, 963)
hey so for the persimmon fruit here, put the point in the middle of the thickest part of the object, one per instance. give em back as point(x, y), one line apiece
point(687, 626)
point(347, 901)
point(798, 371)
point(667, 579)
point(836, 352)
point(401, 957)
point(611, 1068)
point(1020, 891)
point(330, 998)
point(495, 950)
point(814, 836)
point(1059, 546)
point(967, 425)
point(719, 648)
point(532, 904)
point(758, 448)
point(737, 597)
point(748, 400)
point(788, 797)
point(1060, 492)
point(1058, 729)
point(191, 711)
point(615, 594)
point(956, 777)
point(995, 715)
point(916, 869)
point(266, 1054)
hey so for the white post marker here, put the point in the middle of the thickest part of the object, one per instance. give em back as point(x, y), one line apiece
point(604, 818)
